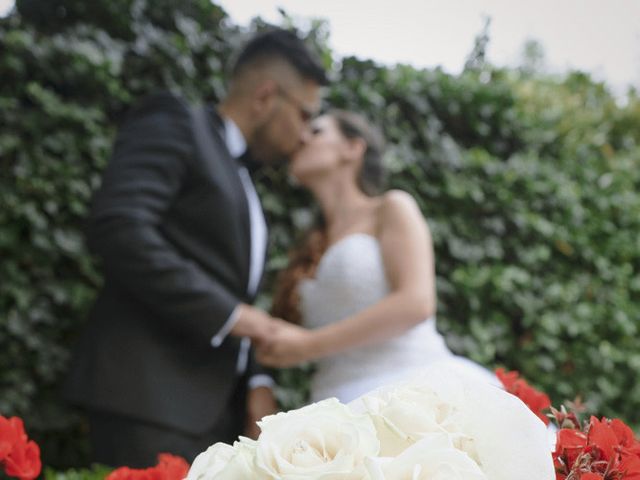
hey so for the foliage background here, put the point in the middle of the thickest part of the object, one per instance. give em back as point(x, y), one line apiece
point(529, 182)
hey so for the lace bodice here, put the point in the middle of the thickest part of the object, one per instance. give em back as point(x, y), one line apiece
point(350, 278)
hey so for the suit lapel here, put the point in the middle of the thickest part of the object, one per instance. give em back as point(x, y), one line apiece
point(233, 186)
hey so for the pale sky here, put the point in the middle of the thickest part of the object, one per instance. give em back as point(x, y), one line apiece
point(598, 36)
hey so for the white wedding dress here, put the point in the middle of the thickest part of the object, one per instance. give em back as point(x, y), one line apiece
point(351, 277)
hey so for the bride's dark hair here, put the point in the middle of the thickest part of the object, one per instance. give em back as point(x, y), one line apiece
point(304, 259)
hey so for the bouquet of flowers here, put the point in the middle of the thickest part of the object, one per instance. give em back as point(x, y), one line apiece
point(19, 456)
point(440, 425)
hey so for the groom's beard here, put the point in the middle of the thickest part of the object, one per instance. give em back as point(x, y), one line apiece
point(265, 150)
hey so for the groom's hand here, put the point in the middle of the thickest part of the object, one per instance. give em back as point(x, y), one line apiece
point(291, 345)
point(255, 324)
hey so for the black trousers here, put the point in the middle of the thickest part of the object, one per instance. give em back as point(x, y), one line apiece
point(124, 441)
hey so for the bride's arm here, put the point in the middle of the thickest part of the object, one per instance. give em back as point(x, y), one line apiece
point(407, 252)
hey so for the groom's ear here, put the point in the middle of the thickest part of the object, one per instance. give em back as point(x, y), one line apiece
point(265, 92)
point(263, 98)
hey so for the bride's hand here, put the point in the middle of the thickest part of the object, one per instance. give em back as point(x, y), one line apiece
point(289, 346)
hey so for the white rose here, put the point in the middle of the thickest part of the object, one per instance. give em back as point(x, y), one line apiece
point(322, 441)
point(224, 462)
point(493, 427)
point(404, 413)
point(432, 458)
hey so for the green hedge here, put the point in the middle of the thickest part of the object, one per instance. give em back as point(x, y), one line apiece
point(529, 183)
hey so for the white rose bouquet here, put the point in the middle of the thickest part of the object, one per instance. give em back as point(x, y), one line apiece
point(438, 426)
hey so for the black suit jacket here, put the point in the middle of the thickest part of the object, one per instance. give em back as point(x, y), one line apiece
point(171, 225)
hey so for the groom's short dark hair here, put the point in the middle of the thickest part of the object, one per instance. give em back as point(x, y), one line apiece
point(284, 45)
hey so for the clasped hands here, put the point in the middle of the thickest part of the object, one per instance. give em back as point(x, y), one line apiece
point(278, 343)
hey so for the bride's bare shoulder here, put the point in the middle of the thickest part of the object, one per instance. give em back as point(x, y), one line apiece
point(398, 210)
point(398, 202)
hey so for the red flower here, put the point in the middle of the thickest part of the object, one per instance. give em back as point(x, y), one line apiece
point(569, 438)
point(20, 456)
point(24, 461)
point(11, 432)
point(602, 436)
point(625, 435)
point(534, 399)
point(169, 467)
point(591, 476)
point(172, 466)
point(508, 379)
point(126, 473)
point(570, 444)
point(629, 465)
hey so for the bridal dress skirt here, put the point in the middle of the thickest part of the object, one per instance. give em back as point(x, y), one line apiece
point(349, 375)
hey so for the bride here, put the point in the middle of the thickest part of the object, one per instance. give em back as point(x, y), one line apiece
point(362, 285)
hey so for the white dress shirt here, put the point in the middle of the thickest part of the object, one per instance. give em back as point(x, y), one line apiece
point(237, 145)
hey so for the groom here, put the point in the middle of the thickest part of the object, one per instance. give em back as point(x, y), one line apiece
point(165, 363)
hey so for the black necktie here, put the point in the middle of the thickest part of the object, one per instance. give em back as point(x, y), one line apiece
point(247, 161)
